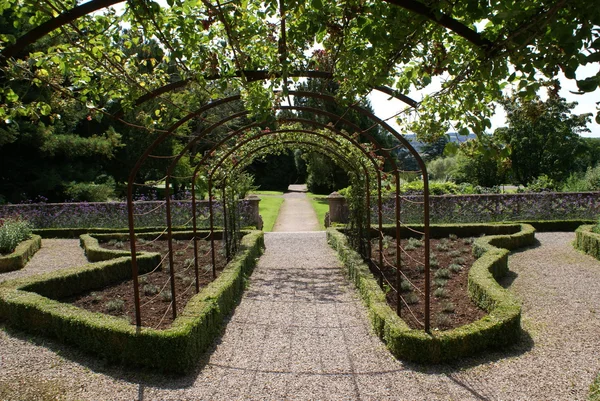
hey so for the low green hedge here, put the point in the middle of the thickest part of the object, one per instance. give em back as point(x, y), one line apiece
point(31, 304)
point(556, 225)
point(588, 241)
point(95, 253)
point(21, 255)
point(76, 232)
point(443, 230)
point(594, 394)
point(500, 327)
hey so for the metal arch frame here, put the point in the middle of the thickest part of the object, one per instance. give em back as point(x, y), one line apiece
point(233, 135)
point(225, 157)
point(296, 93)
point(254, 138)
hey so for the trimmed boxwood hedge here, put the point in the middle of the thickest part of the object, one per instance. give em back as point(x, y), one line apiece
point(31, 304)
point(21, 255)
point(594, 394)
point(588, 241)
point(76, 232)
point(500, 327)
point(95, 253)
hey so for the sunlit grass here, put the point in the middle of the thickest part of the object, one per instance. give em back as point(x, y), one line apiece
point(269, 209)
point(321, 206)
point(266, 193)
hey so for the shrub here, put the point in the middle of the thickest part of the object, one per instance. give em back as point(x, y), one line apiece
point(411, 298)
point(442, 273)
point(541, 184)
point(448, 307)
point(415, 242)
point(91, 191)
point(442, 320)
point(455, 268)
point(116, 305)
point(440, 282)
point(440, 293)
point(13, 232)
point(165, 296)
point(151, 289)
point(405, 286)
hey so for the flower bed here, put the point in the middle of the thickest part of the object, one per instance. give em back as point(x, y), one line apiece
point(500, 327)
point(30, 304)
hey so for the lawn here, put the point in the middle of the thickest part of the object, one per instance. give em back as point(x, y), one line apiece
point(266, 193)
point(269, 209)
point(321, 206)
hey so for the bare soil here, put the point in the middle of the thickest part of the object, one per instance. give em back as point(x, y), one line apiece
point(451, 260)
point(155, 287)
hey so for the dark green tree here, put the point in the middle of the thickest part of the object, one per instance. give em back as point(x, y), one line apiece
point(542, 137)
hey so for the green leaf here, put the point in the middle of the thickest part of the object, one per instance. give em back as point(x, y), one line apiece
point(593, 58)
point(587, 85)
point(11, 96)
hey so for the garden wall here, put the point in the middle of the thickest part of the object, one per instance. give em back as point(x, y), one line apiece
point(545, 206)
point(114, 214)
point(500, 327)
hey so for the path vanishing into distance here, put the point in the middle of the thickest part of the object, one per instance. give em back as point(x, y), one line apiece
point(300, 332)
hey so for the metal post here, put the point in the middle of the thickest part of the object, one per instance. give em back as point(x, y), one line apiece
point(212, 227)
point(195, 234)
point(134, 265)
point(398, 245)
point(170, 243)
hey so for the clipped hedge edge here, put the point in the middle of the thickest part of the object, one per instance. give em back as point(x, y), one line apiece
point(587, 241)
point(21, 255)
point(500, 327)
point(174, 350)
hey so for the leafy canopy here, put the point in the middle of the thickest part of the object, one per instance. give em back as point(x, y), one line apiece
point(477, 49)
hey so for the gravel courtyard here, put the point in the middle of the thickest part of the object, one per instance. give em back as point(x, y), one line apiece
point(300, 332)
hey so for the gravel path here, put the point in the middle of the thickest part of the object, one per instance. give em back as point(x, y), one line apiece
point(296, 213)
point(300, 332)
point(54, 254)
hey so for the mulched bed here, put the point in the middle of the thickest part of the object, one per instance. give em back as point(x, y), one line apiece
point(451, 305)
point(155, 287)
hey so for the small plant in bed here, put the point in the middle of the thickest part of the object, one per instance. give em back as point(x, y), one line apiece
point(155, 287)
point(451, 305)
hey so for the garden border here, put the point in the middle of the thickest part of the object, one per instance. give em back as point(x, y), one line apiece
point(29, 304)
point(95, 253)
point(587, 241)
point(500, 327)
point(21, 255)
point(594, 393)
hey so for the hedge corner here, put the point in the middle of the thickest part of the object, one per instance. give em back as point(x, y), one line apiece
point(21, 255)
point(587, 241)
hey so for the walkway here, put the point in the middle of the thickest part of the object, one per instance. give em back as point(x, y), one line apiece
point(296, 213)
point(54, 254)
point(300, 332)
